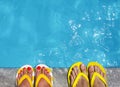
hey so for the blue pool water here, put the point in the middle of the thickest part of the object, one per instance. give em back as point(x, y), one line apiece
point(59, 32)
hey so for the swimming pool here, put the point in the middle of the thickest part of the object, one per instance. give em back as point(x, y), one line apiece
point(59, 33)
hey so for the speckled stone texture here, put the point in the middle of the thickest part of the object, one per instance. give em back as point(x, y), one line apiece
point(7, 77)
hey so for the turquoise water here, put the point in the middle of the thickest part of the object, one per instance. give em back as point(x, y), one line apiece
point(59, 33)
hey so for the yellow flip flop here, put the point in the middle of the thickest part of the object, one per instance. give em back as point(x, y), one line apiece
point(25, 76)
point(78, 76)
point(95, 74)
point(43, 76)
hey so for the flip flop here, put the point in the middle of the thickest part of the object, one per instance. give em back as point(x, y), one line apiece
point(78, 76)
point(43, 76)
point(25, 76)
point(96, 74)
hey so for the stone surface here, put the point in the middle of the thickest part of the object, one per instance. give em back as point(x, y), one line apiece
point(7, 77)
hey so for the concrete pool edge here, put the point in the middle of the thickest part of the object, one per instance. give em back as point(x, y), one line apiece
point(7, 77)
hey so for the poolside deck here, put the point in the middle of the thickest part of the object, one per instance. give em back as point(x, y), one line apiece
point(7, 77)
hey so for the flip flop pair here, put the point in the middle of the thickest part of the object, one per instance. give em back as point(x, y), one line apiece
point(39, 77)
point(95, 74)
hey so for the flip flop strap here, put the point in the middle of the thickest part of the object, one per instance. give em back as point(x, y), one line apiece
point(45, 78)
point(95, 74)
point(78, 78)
point(23, 78)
